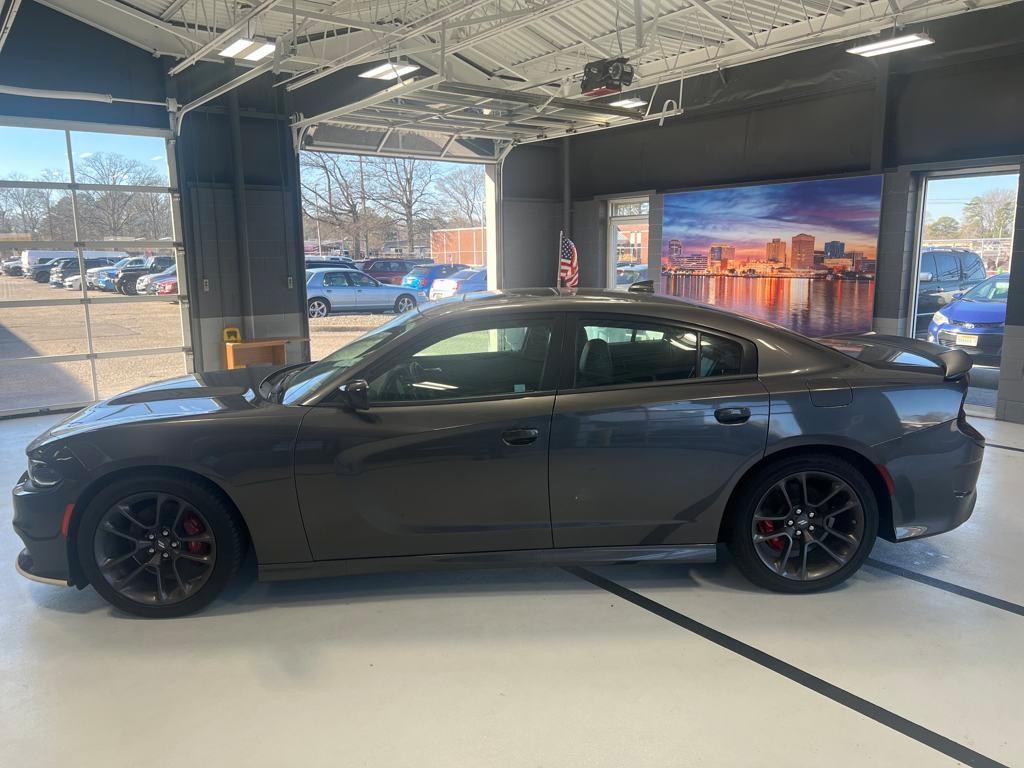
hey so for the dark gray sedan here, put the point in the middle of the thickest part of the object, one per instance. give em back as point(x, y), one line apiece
point(524, 427)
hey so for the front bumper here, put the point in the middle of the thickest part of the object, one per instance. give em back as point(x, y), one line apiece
point(989, 346)
point(935, 475)
point(38, 514)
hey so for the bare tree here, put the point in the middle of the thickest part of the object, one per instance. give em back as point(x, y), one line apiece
point(332, 194)
point(404, 188)
point(26, 208)
point(108, 213)
point(990, 214)
point(462, 190)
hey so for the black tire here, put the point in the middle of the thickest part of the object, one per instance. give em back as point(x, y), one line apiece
point(756, 489)
point(405, 303)
point(315, 313)
point(227, 535)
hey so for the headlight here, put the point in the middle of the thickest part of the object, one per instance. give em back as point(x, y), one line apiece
point(42, 474)
point(939, 319)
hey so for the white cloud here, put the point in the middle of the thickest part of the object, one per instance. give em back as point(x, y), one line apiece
point(157, 158)
point(86, 155)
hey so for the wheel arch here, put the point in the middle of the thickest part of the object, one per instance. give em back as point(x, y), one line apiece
point(76, 575)
point(869, 469)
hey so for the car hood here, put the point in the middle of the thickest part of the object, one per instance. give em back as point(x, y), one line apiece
point(196, 395)
point(975, 311)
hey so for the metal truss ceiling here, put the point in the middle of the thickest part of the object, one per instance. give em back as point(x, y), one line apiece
point(492, 72)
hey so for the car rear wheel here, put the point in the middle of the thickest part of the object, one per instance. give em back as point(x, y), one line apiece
point(319, 308)
point(158, 546)
point(803, 524)
point(404, 303)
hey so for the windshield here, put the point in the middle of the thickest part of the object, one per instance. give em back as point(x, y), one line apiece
point(993, 289)
point(465, 274)
point(420, 272)
point(308, 379)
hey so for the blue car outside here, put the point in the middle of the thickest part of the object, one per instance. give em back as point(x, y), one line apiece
point(467, 280)
point(974, 321)
point(422, 278)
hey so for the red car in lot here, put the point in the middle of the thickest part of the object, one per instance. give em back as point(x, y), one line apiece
point(389, 271)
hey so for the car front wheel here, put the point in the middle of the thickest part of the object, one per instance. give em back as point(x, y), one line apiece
point(404, 304)
point(319, 308)
point(158, 546)
point(803, 524)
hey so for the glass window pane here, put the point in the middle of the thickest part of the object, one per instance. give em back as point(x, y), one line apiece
point(485, 362)
point(134, 271)
point(718, 356)
point(36, 154)
point(123, 325)
point(39, 331)
point(34, 214)
point(45, 384)
point(118, 215)
point(109, 158)
point(120, 374)
point(27, 277)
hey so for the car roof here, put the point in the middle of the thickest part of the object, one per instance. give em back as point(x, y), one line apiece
point(339, 268)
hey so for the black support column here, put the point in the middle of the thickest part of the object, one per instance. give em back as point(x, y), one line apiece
point(1010, 402)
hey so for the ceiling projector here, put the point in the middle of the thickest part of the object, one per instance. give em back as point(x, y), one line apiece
point(606, 76)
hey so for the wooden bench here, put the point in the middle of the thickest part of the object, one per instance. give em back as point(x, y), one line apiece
point(257, 352)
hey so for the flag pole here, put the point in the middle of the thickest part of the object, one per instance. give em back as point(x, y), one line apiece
point(558, 257)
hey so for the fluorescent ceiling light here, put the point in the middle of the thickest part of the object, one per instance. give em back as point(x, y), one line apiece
point(891, 45)
point(236, 48)
point(628, 103)
point(390, 70)
point(260, 52)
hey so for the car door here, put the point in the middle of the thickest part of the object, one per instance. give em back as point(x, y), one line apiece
point(452, 454)
point(339, 291)
point(947, 272)
point(652, 424)
point(370, 294)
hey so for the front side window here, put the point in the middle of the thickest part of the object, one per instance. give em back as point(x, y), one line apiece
point(491, 359)
point(335, 279)
point(947, 266)
point(361, 281)
point(620, 352)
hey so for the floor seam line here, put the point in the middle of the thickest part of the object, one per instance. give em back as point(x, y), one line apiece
point(947, 586)
point(1004, 447)
point(879, 714)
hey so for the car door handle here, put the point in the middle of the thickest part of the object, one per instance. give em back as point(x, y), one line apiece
point(732, 415)
point(523, 436)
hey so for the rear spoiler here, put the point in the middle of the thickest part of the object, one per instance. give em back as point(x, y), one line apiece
point(882, 350)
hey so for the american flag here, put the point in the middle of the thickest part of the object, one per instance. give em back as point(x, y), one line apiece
point(568, 263)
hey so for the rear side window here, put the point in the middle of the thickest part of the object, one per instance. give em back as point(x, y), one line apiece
point(946, 265)
point(619, 352)
point(335, 279)
point(927, 267)
point(972, 267)
point(420, 272)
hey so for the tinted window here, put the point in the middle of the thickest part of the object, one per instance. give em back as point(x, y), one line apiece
point(972, 267)
point(928, 265)
point(362, 281)
point(947, 267)
point(420, 272)
point(491, 359)
point(614, 352)
point(335, 279)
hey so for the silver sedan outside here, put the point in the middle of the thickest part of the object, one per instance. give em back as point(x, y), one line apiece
point(351, 290)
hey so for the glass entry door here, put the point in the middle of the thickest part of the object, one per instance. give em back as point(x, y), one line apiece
point(628, 237)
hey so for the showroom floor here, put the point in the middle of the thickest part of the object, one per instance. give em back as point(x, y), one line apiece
point(916, 661)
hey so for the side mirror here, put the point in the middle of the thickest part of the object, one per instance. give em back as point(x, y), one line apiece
point(642, 286)
point(356, 394)
point(957, 296)
point(925, 277)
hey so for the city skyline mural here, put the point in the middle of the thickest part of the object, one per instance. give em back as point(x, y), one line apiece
point(801, 254)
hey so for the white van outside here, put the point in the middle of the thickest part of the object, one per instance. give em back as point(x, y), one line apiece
point(29, 258)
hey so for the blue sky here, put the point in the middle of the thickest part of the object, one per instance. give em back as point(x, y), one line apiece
point(747, 217)
point(947, 197)
point(29, 151)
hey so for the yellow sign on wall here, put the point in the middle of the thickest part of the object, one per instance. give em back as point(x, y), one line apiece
point(232, 334)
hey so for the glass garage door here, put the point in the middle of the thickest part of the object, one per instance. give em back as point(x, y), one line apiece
point(91, 296)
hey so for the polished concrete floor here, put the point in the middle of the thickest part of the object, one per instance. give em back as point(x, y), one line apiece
point(917, 661)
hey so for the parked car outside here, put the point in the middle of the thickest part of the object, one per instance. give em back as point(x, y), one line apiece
point(627, 274)
point(328, 261)
point(390, 271)
point(31, 257)
point(466, 281)
point(94, 276)
point(331, 290)
point(143, 284)
point(533, 401)
point(73, 283)
point(974, 321)
point(167, 287)
point(421, 278)
point(70, 268)
point(943, 272)
point(161, 279)
point(40, 270)
point(126, 279)
point(12, 267)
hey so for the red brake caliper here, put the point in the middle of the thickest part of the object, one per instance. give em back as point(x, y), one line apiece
point(193, 527)
point(767, 526)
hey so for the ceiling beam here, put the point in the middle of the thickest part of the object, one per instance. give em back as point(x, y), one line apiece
point(220, 41)
point(724, 23)
point(392, 92)
point(172, 9)
point(8, 21)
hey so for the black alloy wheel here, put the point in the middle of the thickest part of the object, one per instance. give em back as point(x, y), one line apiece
point(804, 524)
point(159, 546)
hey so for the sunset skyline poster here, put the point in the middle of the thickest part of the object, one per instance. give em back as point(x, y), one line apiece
point(801, 254)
